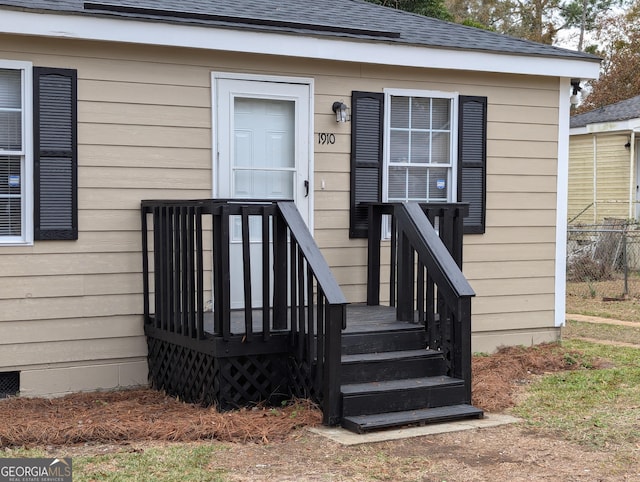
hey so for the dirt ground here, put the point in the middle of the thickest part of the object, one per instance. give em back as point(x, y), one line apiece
point(510, 453)
point(507, 453)
point(266, 444)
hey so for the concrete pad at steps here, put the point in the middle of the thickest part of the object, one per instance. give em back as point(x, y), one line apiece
point(345, 437)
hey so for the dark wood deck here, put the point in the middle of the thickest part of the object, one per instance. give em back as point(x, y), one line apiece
point(361, 318)
point(322, 345)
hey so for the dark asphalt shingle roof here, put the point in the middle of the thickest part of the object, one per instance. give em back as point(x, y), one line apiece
point(356, 18)
point(620, 111)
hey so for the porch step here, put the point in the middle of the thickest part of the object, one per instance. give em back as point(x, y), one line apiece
point(391, 365)
point(389, 379)
point(384, 340)
point(401, 395)
point(378, 421)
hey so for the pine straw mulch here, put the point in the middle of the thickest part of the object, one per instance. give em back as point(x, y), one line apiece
point(148, 415)
point(142, 415)
point(498, 377)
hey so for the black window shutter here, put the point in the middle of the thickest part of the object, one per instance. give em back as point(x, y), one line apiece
point(472, 160)
point(55, 153)
point(367, 114)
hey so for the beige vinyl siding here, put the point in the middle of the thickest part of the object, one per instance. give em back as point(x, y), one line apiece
point(71, 312)
point(511, 267)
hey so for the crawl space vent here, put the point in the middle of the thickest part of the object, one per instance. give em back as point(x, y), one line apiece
point(9, 384)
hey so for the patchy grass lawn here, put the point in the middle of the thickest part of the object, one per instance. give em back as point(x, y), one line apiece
point(600, 331)
point(167, 462)
point(598, 408)
point(598, 299)
point(176, 463)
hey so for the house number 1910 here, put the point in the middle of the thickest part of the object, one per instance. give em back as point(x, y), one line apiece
point(326, 138)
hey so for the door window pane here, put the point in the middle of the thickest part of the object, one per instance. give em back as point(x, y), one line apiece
point(264, 133)
point(257, 184)
point(264, 148)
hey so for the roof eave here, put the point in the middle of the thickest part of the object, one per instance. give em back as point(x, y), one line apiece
point(275, 43)
point(627, 125)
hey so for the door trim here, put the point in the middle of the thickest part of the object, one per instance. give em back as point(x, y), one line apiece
point(308, 81)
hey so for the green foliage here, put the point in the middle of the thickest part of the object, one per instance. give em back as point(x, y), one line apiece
point(619, 38)
point(469, 22)
point(538, 20)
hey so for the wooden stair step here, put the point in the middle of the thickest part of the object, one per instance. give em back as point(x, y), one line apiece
point(401, 394)
point(368, 423)
point(384, 340)
point(400, 384)
point(389, 356)
point(390, 365)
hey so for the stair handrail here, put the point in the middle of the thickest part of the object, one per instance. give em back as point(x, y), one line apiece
point(444, 290)
point(424, 239)
point(312, 253)
point(330, 352)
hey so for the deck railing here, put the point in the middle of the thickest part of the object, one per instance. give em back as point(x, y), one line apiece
point(426, 283)
point(192, 262)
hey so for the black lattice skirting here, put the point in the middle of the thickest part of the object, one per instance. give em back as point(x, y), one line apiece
point(228, 382)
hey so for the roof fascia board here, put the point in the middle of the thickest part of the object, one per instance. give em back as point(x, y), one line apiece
point(578, 131)
point(601, 127)
point(246, 41)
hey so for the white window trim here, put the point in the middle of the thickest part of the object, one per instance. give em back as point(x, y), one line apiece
point(26, 167)
point(453, 96)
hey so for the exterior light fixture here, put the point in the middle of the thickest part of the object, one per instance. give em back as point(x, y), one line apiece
point(575, 89)
point(340, 110)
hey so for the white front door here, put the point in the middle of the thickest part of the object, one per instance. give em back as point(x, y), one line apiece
point(262, 136)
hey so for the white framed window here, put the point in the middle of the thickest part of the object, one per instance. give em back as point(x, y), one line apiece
point(420, 146)
point(16, 153)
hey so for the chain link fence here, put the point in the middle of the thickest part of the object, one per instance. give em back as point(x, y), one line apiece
point(603, 261)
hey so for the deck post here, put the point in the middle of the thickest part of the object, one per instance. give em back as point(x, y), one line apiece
point(279, 272)
point(331, 402)
point(373, 261)
point(458, 232)
point(145, 265)
point(462, 344)
point(406, 261)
